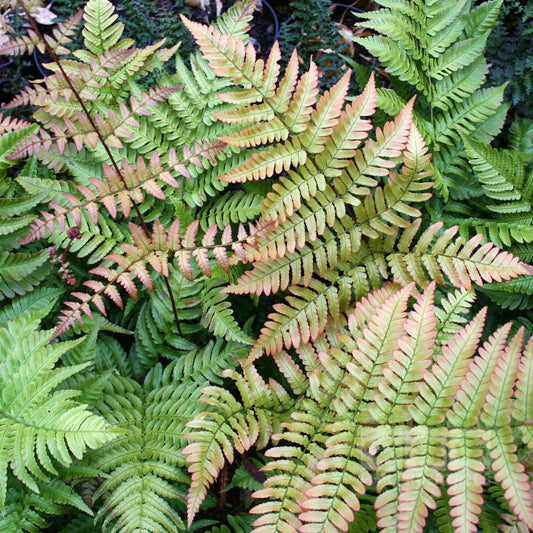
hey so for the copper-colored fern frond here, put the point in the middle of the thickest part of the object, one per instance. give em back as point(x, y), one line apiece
point(207, 149)
point(8, 124)
point(61, 35)
point(111, 128)
point(112, 192)
point(57, 93)
point(155, 251)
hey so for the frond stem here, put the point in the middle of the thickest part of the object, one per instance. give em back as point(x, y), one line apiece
point(57, 61)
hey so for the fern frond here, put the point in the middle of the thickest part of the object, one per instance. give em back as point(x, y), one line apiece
point(451, 312)
point(28, 511)
point(408, 365)
point(227, 426)
point(101, 32)
point(463, 117)
point(47, 423)
point(155, 250)
point(461, 262)
point(293, 468)
point(523, 405)
point(143, 467)
point(377, 393)
point(502, 176)
point(513, 479)
point(124, 190)
point(345, 137)
point(302, 317)
point(218, 314)
point(20, 272)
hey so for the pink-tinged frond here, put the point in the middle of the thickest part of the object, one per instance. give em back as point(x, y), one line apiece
point(293, 466)
point(124, 189)
point(332, 502)
point(214, 437)
point(470, 398)
point(351, 129)
point(441, 382)
point(227, 55)
point(421, 478)
point(325, 116)
point(446, 257)
point(301, 319)
point(498, 404)
point(404, 371)
point(389, 468)
point(299, 112)
point(9, 123)
point(376, 158)
point(510, 473)
point(465, 481)
point(153, 252)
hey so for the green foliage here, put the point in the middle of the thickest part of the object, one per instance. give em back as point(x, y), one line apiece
point(508, 52)
point(48, 426)
point(237, 262)
point(436, 49)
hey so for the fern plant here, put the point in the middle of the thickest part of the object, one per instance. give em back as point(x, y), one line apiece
point(436, 50)
point(232, 211)
point(376, 406)
point(335, 220)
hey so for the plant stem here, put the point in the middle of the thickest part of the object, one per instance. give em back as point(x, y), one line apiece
point(57, 61)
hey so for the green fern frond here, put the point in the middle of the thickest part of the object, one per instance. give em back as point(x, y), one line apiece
point(451, 312)
point(143, 467)
point(437, 49)
point(47, 422)
point(502, 176)
point(29, 511)
point(21, 272)
point(218, 314)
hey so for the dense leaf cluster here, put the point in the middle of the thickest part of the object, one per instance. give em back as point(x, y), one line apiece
point(232, 301)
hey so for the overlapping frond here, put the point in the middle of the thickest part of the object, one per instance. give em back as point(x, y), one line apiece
point(228, 426)
point(502, 176)
point(437, 48)
point(442, 257)
point(62, 35)
point(379, 393)
point(143, 467)
point(155, 251)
